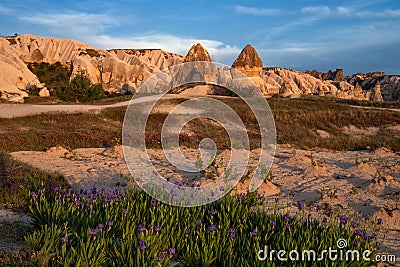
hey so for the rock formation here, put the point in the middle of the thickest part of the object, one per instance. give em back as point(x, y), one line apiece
point(121, 70)
point(376, 93)
point(116, 70)
point(197, 53)
point(248, 62)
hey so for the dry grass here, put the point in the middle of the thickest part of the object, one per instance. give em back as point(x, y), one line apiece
point(296, 122)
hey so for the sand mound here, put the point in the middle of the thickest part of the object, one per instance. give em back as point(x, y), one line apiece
point(354, 131)
point(383, 152)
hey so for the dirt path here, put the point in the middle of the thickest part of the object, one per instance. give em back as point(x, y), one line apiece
point(22, 110)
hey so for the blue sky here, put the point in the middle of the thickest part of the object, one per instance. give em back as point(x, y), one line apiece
point(359, 36)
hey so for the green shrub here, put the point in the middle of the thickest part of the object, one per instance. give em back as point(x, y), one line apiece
point(52, 75)
point(81, 89)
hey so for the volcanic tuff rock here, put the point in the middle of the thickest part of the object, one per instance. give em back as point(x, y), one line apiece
point(122, 70)
point(197, 53)
point(248, 62)
point(116, 70)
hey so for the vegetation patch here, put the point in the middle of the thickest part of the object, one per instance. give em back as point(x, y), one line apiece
point(18, 179)
point(98, 228)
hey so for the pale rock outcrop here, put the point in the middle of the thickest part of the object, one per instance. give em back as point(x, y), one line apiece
point(117, 71)
point(44, 92)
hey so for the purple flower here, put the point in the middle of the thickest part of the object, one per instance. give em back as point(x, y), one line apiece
point(239, 198)
point(185, 182)
point(142, 246)
point(68, 195)
point(292, 193)
point(254, 233)
point(356, 241)
point(199, 223)
point(289, 227)
point(100, 226)
point(93, 232)
point(211, 228)
point(299, 204)
point(87, 205)
point(141, 229)
point(187, 232)
point(232, 233)
point(159, 258)
point(33, 195)
point(324, 220)
point(353, 224)
point(64, 240)
point(221, 188)
point(287, 218)
point(56, 189)
point(77, 203)
point(156, 229)
point(259, 196)
point(377, 244)
point(343, 219)
point(380, 221)
point(153, 202)
point(318, 208)
point(171, 251)
point(125, 212)
point(212, 213)
point(110, 224)
point(93, 190)
point(273, 223)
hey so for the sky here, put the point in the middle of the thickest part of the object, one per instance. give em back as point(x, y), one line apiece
point(358, 36)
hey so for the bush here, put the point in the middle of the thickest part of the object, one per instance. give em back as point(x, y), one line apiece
point(53, 75)
point(81, 89)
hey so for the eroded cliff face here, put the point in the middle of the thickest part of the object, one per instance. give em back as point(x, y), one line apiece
point(117, 70)
point(121, 70)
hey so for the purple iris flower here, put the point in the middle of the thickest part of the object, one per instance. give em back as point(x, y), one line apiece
point(211, 228)
point(141, 229)
point(254, 233)
point(171, 251)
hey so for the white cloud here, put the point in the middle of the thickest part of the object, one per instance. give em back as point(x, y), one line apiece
point(5, 10)
point(341, 10)
point(219, 51)
point(258, 11)
point(317, 10)
point(379, 14)
point(72, 23)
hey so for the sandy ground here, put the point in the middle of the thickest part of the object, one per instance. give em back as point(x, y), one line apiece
point(367, 182)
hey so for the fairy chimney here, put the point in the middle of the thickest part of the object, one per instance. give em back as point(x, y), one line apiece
point(197, 53)
point(249, 62)
point(376, 92)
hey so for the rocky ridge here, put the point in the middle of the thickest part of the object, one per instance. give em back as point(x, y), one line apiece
point(121, 70)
